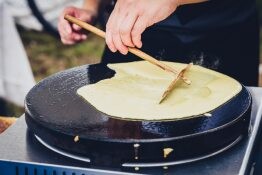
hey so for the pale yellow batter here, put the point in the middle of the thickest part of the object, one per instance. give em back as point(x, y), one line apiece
point(135, 90)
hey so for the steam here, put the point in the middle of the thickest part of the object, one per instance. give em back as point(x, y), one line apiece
point(206, 60)
point(160, 55)
point(200, 58)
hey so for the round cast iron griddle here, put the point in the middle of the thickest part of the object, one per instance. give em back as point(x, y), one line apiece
point(56, 114)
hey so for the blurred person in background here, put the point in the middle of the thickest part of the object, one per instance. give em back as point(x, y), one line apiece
point(218, 34)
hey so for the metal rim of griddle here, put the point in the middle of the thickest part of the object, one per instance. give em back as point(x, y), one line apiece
point(62, 152)
point(145, 164)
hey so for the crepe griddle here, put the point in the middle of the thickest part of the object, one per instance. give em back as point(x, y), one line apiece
point(56, 115)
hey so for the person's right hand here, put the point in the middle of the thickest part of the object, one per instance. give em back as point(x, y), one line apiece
point(72, 33)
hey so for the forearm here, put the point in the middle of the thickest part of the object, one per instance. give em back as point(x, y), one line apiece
point(184, 2)
point(94, 5)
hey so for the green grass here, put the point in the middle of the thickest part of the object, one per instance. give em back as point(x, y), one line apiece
point(47, 55)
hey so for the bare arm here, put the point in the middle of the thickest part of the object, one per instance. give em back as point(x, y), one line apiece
point(92, 6)
point(184, 2)
point(95, 5)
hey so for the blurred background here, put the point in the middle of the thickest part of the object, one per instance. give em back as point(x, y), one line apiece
point(35, 23)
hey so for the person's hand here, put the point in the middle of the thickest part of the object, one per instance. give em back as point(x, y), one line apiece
point(130, 18)
point(72, 33)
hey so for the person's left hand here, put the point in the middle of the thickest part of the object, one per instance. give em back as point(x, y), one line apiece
point(130, 18)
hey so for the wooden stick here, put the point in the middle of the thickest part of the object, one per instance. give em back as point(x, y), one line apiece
point(135, 51)
point(173, 83)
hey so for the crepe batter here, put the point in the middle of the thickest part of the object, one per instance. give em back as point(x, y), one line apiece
point(135, 90)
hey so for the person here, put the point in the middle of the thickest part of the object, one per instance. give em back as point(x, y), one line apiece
point(218, 34)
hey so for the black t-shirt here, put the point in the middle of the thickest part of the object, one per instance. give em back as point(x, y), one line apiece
point(192, 21)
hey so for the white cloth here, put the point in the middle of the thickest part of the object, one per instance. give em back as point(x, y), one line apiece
point(49, 8)
point(16, 77)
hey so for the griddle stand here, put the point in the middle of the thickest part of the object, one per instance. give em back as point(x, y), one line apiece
point(22, 154)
